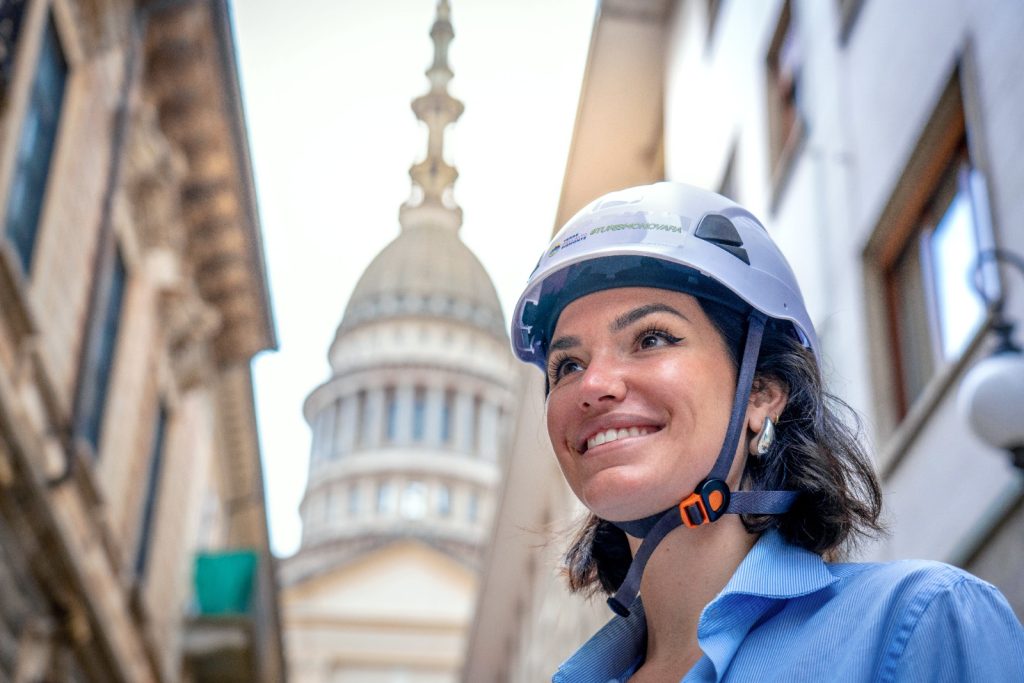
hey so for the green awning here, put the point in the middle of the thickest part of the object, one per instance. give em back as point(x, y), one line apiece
point(225, 581)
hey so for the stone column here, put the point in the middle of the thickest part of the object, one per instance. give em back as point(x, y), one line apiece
point(345, 431)
point(325, 433)
point(435, 414)
point(373, 422)
point(404, 395)
point(463, 427)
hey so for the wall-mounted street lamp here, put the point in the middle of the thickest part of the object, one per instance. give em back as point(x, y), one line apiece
point(992, 393)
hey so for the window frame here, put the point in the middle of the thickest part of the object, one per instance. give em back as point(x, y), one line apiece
point(41, 18)
point(99, 347)
point(783, 145)
point(959, 177)
point(151, 499)
point(952, 122)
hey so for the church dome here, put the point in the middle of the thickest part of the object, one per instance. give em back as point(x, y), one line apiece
point(427, 271)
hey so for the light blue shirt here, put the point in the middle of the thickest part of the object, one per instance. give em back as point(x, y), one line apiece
point(786, 615)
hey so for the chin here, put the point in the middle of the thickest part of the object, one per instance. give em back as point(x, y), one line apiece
point(626, 503)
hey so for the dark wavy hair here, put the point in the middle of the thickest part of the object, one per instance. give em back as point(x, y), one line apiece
point(816, 453)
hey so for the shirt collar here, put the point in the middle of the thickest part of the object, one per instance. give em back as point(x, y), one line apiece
point(772, 571)
point(777, 569)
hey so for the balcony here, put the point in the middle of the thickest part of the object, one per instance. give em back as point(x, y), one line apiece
point(232, 635)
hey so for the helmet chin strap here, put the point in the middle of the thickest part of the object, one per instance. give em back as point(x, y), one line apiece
point(712, 497)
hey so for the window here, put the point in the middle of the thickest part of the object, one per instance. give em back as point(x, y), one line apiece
point(156, 457)
point(414, 501)
point(473, 507)
point(477, 440)
point(925, 248)
point(359, 420)
point(35, 148)
point(384, 502)
point(785, 120)
point(11, 14)
point(101, 341)
point(447, 416)
point(933, 309)
point(419, 413)
point(391, 408)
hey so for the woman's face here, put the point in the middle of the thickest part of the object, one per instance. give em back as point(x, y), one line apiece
point(641, 391)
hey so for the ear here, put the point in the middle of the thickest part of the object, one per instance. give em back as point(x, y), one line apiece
point(768, 398)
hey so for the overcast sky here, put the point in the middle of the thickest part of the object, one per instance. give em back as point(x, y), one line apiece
point(327, 87)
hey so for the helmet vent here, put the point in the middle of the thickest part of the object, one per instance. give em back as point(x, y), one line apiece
point(720, 231)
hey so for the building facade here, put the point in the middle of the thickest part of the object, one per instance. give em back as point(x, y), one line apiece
point(133, 532)
point(407, 434)
point(879, 143)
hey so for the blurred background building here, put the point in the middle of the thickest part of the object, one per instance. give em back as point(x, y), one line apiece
point(133, 533)
point(880, 144)
point(407, 437)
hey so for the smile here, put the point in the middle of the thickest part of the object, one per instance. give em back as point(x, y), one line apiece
point(615, 434)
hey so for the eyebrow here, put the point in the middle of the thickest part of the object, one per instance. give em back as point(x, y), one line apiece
point(564, 343)
point(619, 324)
point(630, 317)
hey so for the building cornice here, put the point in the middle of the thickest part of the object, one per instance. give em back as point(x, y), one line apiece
point(193, 80)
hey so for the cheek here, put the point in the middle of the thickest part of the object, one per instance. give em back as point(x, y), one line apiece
point(557, 414)
point(554, 416)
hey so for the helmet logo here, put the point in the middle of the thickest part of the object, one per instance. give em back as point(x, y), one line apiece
point(566, 242)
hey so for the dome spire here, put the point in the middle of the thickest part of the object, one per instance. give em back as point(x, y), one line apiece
point(433, 177)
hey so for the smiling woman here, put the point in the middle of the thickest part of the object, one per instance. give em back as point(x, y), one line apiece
point(662, 435)
point(686, 409)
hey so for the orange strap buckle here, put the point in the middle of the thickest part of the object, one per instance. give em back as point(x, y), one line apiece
point(706, 504)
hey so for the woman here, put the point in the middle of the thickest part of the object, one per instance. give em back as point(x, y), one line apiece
point(686, 410)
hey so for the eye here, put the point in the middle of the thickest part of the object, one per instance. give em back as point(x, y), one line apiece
point(560, 366)
point(654, 338)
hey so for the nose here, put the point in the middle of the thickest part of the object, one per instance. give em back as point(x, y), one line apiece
point(602, 381)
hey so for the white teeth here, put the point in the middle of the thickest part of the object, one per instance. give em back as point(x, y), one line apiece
point(615, 435)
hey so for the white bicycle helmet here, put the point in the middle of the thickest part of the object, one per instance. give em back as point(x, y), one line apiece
point(678, 237)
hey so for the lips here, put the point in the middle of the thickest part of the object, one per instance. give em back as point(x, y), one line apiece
point(600, 434)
